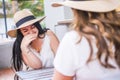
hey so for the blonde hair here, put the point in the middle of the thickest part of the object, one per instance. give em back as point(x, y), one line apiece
point(102, 26)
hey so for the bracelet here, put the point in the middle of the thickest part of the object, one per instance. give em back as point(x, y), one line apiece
point(28, 51)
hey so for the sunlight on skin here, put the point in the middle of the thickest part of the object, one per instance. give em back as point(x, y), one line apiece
point(7, 74)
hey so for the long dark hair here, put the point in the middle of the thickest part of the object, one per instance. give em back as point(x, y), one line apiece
point(17, 55)
point(108, 28)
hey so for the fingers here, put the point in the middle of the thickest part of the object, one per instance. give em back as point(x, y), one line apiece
point(27, 40)
point(30, 37)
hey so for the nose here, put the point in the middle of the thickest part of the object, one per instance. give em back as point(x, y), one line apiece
point(30, 32)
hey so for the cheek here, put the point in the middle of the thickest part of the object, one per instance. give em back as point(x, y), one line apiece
point(24, 34)
point(36, 31)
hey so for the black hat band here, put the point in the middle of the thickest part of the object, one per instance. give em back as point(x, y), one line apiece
point(28, 18)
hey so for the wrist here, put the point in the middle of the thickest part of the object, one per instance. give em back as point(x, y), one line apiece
point(28, 51)
point(25, 50)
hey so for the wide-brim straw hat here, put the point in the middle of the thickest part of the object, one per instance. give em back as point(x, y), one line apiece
point(22, 19)
point(90, 5)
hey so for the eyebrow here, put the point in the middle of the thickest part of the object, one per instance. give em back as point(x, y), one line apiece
point(23, 29)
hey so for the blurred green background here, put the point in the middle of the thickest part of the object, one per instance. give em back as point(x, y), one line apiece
point(36, 6)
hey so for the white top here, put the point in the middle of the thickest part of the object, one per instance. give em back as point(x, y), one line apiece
point(71, 59)
point(46, 54)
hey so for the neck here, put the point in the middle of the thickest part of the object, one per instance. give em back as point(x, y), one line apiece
point(36, 44)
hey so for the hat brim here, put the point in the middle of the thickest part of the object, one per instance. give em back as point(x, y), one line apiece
point(118, 9)
point(13, 32)
point(93, 5)
point(66, 21)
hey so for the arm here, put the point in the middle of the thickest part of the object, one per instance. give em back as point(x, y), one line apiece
point(29, 58)
point(54, 42)
point(65, 60)
point(59, 76)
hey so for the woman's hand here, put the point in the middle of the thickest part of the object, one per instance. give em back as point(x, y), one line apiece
point(27, 40)
point(28, 56)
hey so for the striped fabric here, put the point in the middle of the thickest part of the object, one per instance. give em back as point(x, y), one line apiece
point(41, 74)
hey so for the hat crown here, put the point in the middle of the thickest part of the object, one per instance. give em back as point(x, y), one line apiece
point(22, 14)
point(90, 5)
point(22, 19)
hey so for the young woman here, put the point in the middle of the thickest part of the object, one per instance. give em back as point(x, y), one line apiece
point(92, 49)
point(34, 47)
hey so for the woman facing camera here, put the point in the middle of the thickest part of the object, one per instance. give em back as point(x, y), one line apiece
point(34, 47)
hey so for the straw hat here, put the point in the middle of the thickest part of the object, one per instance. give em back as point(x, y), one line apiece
point(118, 9)
point(90, 5)
point(22, 19)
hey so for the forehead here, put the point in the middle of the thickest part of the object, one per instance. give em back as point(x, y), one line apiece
point(26, 27)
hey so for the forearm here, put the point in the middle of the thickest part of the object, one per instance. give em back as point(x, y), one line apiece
point(59, 76)
point(31, 59)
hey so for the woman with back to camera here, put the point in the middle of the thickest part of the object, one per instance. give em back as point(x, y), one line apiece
point(92, 48)
point(34, 47)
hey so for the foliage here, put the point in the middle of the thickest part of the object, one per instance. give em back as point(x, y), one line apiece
point(7, 7)
point(35, 7)
point(0, 4)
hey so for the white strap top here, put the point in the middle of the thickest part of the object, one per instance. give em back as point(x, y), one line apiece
point(46, 54)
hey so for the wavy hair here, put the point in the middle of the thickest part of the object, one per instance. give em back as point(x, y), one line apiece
point(105, 27)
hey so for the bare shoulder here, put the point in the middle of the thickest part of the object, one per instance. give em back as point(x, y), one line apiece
point(52, 36)
point(54, 41)
point(50, 33)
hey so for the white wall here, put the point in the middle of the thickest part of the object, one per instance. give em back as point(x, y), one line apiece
point(5, 53)
point(54, 15)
